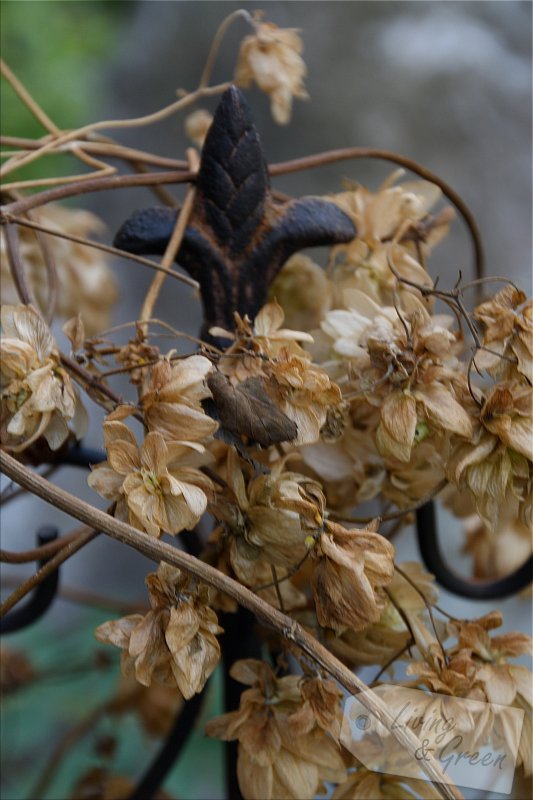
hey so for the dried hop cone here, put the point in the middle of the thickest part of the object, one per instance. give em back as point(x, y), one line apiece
point(86, 282)
point(156, 487)
point(37, 395)
point(175, 642)
point(351, 568)
point(286, 747)
point(271, 58)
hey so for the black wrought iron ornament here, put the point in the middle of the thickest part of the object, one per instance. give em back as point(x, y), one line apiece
point(238, 237)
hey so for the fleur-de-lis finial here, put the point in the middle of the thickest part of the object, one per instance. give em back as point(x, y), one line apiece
point(238, 237)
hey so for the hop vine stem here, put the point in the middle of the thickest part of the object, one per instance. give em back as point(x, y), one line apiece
point(180, 175)
point(85, 535)
point(160, 551)
point(115, 251)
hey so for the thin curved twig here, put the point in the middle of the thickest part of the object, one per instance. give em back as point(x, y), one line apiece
point(109, 149)
point(427, 604)
point(390, 661)
point(217, 40)
point(62, 180)
point(85, 535)
point(42, 117)
point(349, 153)
point(38, 553)
point(114, 251)
point(134, 122)
point(393, 514)
point(95, 185)
point(90, 383)
point(83, 597)
point(43, 596)
point(51, 276)
point(170, 252)
point(18, 273)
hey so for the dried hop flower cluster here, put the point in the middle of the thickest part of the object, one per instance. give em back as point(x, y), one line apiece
point(175, 643)
point(285, 746)
point(271, 58)
point(37, 395)
point(86, 284)
point(156, 487)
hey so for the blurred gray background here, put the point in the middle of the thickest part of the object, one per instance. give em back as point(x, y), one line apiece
point(445, 83)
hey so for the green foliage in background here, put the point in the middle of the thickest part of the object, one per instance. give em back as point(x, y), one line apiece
point(59, 50)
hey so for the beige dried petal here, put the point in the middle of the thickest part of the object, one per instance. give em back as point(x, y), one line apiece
point(443, 410)
point(522, 347)
point(182, 627)
point(193, 495)
point(177, 420)
point(146, 507)
point(74, 330)
point(56, 432)
point(269, 319)
point(185, 380)
point(179, 515)
point(224, 727)
point(119, 413)
point(145, 633)
point(279, 533)
point(25, 323)
point(304, 292)
point(114, 430)
point(18, 358)
point(466, 456)
point(314, 748)
point(520, 436)
point(261, 738)
point(498, 683)
point(294, 776)
point(256, 782)
point(508, 413)
point(118, 631)
point(104, 480)
point(250, 671)
point(154, 453)
point(388, 447)
point(47, 391)
point(194, 663)
point(123, 456)
point(398, 416)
